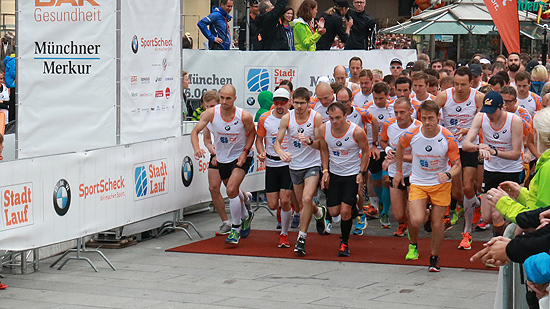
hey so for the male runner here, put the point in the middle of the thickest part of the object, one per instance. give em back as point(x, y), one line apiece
point(341, 142)
point(302, 125)
point(365, 95)
point(324, 96)
point(403, 86)
point(527, 99)
point(355, 67)
point(234, 134)
point(340, 75)
point(392, 130)
point(500, 148)
point(459, 105)
point(420, 87)
point(433, 148)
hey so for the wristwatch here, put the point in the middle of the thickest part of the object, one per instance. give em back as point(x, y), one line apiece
point(375, 143)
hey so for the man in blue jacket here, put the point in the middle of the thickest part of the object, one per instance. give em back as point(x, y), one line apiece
point(215, 27)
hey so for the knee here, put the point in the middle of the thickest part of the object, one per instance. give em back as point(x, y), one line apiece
point(346, 214)
point(437, 224)
point(232, 192)
point(306, 200)
point(285, 204)
point(469, 190)
point(214, 189)
point(416, 221)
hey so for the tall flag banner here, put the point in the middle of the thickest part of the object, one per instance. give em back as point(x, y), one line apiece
point(506, 18)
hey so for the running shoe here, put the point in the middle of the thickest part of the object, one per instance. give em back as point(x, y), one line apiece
point(344, 250)
point(278, 227)
point(317, 201)
point(413, 253)
point(358, 232)
point(447, 225)
point(466, 243)
point(245, 228)
point(233, 238)
point(322, 222)
point(434, 264)
point(295, 221)
point(370, 212)
point(459, 211)
point(428, 226)
point(454, 216)
point(482, 226)
point(283, 241)
point(300, 245)
point(3, 286)
point(385, 222)
point(328, 229)
point(401, 230)
point(225, 228)
point(361, 223)
point(248, 202)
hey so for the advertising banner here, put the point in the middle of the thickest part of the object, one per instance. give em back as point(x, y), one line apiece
point(150, 101)
point(254, 72)
point(66, 76)
point(506, 18)
point(53, 199)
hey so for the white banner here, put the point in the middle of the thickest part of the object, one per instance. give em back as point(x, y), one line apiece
point(52, 199)
point(253, 72)
point(66, 76)
point(150, 103)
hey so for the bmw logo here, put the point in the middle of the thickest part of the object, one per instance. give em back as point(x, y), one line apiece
point(496, 136)
point(380, 117)
point(458, 108)
point(338, 143)
point(250, 101)
point(300, 130)
point(227, 128)
point(135, 44)
point(62, 197)
point(428, 148)
point(187, 171)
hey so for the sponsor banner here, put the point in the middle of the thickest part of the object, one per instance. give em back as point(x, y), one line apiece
point(66, 76)
point(52, 199)
point(506, 18)
point(252, 73)
point(150, 99)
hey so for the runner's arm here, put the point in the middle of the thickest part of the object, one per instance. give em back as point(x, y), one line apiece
point(472, 134)
point(206, 117)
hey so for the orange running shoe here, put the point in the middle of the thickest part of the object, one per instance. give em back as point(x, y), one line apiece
point(401, 230)
point(370, 212)
point(283, 241)
point(466, 243)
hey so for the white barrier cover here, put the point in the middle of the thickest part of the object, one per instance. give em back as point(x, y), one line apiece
point(150, 70)
point(254, 72)
point(66, 76)
point(52, 199)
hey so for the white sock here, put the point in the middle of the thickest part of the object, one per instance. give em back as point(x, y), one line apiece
point(235, 209)
point(242, 196)
point(302, 234)
point(286, 217)
point(244, 211)
point(319, 213)
point(469, 207)
point(226, 222)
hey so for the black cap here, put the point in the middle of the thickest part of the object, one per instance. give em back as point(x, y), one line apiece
point(410, 65)
point(491, 102)
point(396, 60)
point(531, 65)
point(342, 3)
point(475, 69)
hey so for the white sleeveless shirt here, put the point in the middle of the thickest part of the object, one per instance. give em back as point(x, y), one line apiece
point(229, 136)
point(457, 115)
point(303, 155)
point(501, 139)
point(344, 159)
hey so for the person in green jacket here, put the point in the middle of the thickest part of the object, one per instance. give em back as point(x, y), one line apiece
point(305, 35)
point(265, 99)
point(511, 199)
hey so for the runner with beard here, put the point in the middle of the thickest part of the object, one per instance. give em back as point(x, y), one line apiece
point(514, 63)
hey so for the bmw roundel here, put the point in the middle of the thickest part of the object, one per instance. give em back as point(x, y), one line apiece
point(496, 136)
point(62, 197)
point(250, 101)
point(300, 130)
point(227, 128)
point(428, 148)
point(380, 116)
point(135, 44)
point(458, 108)
point(187, 171)
point(338, 143)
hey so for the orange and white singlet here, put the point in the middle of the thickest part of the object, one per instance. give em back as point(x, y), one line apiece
point(430, 155)
point(360, 117)
point(457, 115)
point(229, 136)
point(318, 107)
point(303, 155)
point(391, 133)
point(380, 113)
point(344, 159)
point(501, 139)
point(532, 103)
point(268, 127)
point(359, 99)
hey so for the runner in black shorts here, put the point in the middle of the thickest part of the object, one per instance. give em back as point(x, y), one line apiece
point(226, 169)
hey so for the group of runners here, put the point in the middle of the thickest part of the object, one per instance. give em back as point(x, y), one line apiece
point(417, 153)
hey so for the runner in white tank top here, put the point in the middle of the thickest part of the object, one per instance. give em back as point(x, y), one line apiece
point(234, 133)
point(301, 126)
point(500, 146)
point(343, 167)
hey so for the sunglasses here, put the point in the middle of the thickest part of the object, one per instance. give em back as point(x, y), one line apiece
point(393, 67)
point(279, 102)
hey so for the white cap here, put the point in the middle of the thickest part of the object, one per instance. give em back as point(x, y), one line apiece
point(484, 61)
point(281, 93)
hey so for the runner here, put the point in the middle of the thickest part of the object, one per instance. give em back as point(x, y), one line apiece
point(341, 142)
point(459, 105)
point(278, 186)
point(500, 147)
point(392, 130)
point(527, 99)
point(433, 148)
point(324, 95)
point(234, 134)
point(365, 95)
point(302, 125)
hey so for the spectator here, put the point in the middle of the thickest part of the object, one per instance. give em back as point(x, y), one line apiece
point(4, 98)
point(288, 17)
point(305, 35)
point(187, 41)
point(265, 99)
point(336, 23)
point(185, 85)
point(9, 63)
point(363, 31)
point(209, 99)
point(539, 76)
point(254, 32)
point(273, 33)
point(215, 27)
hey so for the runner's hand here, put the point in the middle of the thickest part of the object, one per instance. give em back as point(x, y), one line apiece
point(212, 149)
point(324, 181)
point(398, 179)
point(442, 177)
point(215, 161)
point(242, 159)
point(199, 153)
point(374, 153)
point(285, 156)
point(261, 156)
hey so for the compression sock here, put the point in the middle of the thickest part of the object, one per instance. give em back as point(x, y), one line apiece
point(345, 226)
point(235, 207)
point(386, 200)
point(469, 207)
point(286, 217)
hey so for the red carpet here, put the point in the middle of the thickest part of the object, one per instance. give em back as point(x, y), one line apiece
point(363, 249)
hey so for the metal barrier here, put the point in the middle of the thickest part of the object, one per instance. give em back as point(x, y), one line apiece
point(509, 282)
